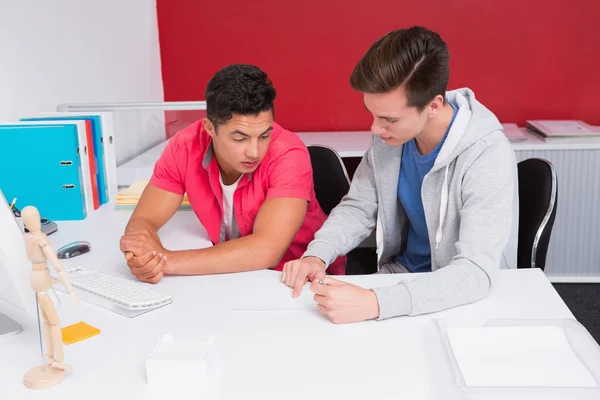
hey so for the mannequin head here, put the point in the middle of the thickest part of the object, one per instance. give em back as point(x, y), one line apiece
point(31, 219)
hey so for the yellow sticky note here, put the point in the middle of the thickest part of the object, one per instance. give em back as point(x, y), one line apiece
point(78, 332)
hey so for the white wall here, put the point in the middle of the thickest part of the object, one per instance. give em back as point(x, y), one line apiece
point(82, 51)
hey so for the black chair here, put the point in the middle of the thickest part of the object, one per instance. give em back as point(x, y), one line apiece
point(332, 183)
point(329, 176)
point(537, 210)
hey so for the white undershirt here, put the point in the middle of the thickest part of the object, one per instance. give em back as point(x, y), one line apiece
point(229, 226)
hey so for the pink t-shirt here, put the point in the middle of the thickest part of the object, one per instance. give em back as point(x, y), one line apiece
point(187, 165)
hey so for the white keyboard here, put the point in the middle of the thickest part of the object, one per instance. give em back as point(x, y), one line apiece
point(126, 297)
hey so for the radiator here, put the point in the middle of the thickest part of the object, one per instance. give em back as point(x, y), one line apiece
point(574, 249)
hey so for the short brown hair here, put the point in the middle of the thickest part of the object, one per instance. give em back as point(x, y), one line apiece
point(241, 89)
point(416, 58)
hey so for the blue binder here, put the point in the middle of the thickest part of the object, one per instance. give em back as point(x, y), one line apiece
point(40, 167)
point(96, 122)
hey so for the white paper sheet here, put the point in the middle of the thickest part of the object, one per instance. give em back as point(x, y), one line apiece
point(276, 298)
point(264, 291)
point(528, 356)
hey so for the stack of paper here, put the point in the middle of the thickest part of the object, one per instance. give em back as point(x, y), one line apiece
point(563, 129)
point(128, 198)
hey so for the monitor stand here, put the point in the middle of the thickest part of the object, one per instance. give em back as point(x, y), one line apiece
point(8, 327)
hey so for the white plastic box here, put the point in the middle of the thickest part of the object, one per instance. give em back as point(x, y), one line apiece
point(183, 364)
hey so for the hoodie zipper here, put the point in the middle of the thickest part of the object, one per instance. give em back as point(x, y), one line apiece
point(442, 216)
point(379, 211)
point(443, 208)
point(425, 211)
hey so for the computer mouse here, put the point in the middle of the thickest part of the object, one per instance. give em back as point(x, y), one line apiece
point(73, 250)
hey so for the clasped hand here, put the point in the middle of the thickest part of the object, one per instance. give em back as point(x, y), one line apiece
point(146, 257)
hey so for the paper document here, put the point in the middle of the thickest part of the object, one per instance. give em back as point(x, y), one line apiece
point(278, 297)
point(528, 356)
point(264, 291)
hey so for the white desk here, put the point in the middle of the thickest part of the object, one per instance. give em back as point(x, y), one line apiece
point(267, 355)
point(573, 253)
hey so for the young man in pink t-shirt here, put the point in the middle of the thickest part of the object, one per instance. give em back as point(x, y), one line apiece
point(248, 180)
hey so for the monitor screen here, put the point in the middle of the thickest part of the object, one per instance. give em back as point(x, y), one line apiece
point(16, 293)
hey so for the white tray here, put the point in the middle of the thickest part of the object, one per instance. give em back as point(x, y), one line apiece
point(581, 342)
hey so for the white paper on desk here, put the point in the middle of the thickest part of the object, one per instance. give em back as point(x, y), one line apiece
point(278, 297)
point(264, 291)
point(528, 356)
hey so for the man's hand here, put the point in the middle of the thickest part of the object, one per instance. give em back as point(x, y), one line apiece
point(148, 267)
point(296, 273)
point(146, 257)
point(140, 241)
point(343, 302)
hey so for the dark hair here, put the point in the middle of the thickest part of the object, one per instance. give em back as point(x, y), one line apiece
point(238, 89)
point(415, 58)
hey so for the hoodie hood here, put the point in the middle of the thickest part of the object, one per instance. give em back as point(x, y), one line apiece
point(473, 121)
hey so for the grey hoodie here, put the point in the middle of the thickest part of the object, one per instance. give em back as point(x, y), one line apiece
point(470, 198)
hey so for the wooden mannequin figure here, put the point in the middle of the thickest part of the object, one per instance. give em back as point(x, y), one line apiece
point(39, 252)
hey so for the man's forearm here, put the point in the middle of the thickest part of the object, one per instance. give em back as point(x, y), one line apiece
point(248, 253)
point(448, 287)
point(141, 223)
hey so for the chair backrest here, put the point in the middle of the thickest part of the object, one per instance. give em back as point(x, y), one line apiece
point(329, 175)
point(538, 187)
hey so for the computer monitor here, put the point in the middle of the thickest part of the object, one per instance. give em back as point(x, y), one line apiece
point(18, 305)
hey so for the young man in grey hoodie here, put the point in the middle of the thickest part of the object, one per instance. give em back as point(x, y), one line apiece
point(439, 185)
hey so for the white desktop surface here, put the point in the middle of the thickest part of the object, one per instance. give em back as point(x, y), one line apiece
point(266, 355)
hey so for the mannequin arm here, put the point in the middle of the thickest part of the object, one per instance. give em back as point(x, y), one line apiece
point(51, 256)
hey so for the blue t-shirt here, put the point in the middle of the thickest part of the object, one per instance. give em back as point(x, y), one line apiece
point(413, 168)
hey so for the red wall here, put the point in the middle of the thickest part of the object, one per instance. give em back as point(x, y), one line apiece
point(525, 59)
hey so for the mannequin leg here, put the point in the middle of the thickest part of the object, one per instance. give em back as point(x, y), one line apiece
point(49, 354)
point(52, 372)
point(55, 331)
